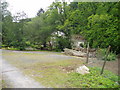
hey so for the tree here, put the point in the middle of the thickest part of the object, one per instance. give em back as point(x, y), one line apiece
point(41, 11)
point(39, 29)
point(102, 29)
point(7, 25)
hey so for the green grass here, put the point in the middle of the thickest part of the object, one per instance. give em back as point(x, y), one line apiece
point(11, 48)
point(51, 74)
point(93, 80)
point(60, 74)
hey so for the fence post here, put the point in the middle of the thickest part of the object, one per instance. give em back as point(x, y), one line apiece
point(105, 59)
point(87, 53)
point(97, 55)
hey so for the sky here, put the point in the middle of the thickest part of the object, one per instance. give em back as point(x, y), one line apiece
point(30, 7)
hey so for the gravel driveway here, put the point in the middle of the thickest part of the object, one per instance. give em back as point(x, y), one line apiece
point(34, 56)
point(15, 77)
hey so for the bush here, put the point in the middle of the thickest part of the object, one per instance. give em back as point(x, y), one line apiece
point(111, 56)
point(62, 43)
point(102, 52)
point(93, 80)
point(4, 46)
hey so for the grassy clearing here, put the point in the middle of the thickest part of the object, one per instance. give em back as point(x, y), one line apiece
point(60, 73)
point(57, 75)
point(52, 74)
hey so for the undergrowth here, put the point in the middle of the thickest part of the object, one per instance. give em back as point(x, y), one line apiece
point(93, 80)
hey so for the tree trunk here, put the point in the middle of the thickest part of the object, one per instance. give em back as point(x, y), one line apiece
point(50, 45)
point(44, 45)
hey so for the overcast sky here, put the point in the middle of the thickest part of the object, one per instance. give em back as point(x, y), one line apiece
point(30, 7)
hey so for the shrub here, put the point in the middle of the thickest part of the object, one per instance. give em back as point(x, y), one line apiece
point(4, 46)
point(62, 43)
point(111, 56)
point(102, 52)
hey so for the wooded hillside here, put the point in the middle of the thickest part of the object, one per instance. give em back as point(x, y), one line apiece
point(97, 22)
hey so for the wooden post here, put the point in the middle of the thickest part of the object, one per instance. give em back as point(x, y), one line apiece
point(87, 53)
point(98, 56)
point(105, 59)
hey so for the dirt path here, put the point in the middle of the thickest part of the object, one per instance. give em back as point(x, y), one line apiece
point(15, 77)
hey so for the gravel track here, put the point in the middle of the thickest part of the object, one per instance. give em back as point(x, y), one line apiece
point(16, 78)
